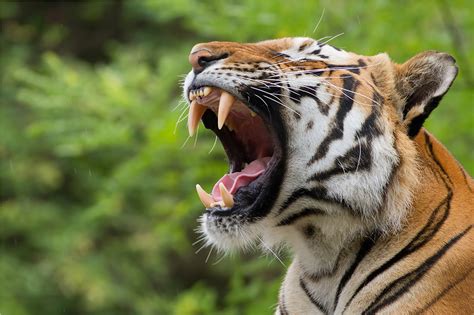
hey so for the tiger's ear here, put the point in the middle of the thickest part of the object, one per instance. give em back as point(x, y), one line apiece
point(421, 82)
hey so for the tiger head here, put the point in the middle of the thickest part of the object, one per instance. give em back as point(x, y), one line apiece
point(310, 130)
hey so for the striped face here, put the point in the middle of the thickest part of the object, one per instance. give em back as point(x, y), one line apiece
point(309, 130)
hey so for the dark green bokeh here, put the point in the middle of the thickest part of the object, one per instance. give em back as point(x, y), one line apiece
point(96, 177)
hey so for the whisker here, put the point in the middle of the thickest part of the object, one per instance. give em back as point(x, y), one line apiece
point(213, 145)
point(274, 254)
point(201, 248)
point(268, 108)
point(323, 38)
point(220, 259)
point(278, 101)
point(338, 88)
point(320, 19)
point(288, 90)
point(333, 37)
point(320, 70)
point(209, 255)
point(355, 93)
point(199, 240)
point(180, 119)
point(185, 142)
point(196, 138)
point(180, 103)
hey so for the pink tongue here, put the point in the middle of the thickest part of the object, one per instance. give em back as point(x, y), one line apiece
point(236, 180)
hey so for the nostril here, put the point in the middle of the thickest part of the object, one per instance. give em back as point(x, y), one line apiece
point(205, 61)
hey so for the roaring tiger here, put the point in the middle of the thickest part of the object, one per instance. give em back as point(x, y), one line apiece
point(328, 156)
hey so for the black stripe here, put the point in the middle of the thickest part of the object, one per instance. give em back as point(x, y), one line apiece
point(315, 302)
point(296, 114)
point(358, 158)
point(374, 80)
point(399, 287)
point(361, 63)
point(315, 193)
point(315, 277)
point(351, 68)
point(370, 128)
point(393, 172)
point(345, 105)
point(417, 122)
point(296, 216)
point(309, 91)
point(464, 175)
point(303, 46)
point(323, 107)
point(282, 305)
point(278, 54)
point(294, 96)
point(436, 220)
point(446, 290)
point(364, 249)
point(429, 145)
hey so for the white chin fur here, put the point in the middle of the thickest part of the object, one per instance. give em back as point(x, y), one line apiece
point(228, 233)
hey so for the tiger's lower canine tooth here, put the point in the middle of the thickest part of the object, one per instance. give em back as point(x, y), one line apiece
point(205, 198)
point(226, 196)
point(225, 105)
point(195, 113)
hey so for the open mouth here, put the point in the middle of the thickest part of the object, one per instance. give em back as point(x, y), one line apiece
point(253, 148)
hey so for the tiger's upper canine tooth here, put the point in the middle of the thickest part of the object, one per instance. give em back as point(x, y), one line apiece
point(195, 113)
point(226, 196)
point(205, 198)
point(225, 104)
point(252, 113)
point(192, 96)
point(207, 90)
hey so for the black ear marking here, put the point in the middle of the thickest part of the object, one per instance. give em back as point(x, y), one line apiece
point(418, 121)
point(421, 83)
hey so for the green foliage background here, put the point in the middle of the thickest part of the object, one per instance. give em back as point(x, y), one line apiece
point(97, 201)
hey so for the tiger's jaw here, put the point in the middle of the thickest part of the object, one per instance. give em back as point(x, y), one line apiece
point(253, 141)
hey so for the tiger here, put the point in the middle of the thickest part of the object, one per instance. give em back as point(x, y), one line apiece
point(328, 157)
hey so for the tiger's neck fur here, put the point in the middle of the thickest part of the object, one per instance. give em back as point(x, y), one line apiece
point(331, 277)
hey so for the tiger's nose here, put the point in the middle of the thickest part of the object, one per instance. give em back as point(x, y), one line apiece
point(201, 58)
